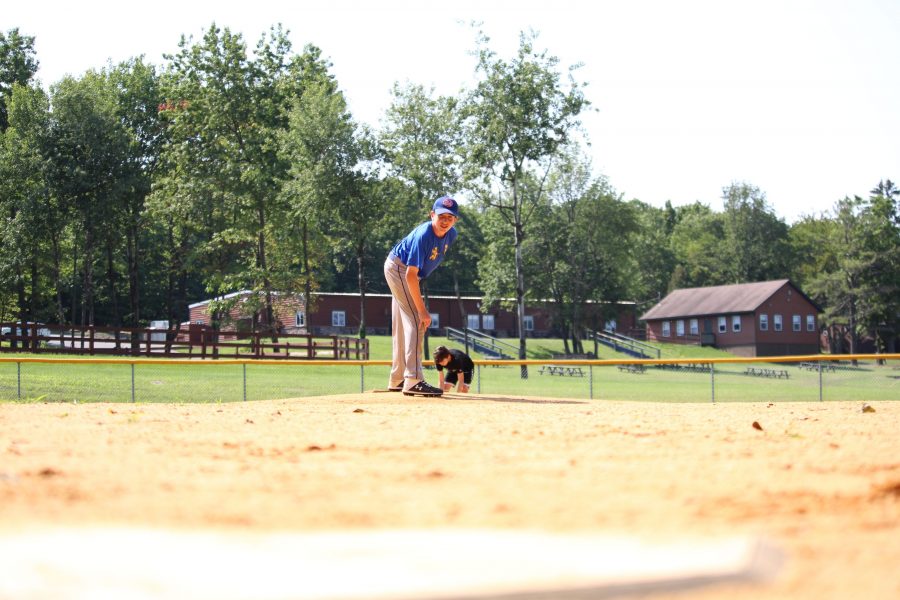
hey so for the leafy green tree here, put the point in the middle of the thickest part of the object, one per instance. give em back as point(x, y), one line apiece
point(696, 245)
point(517, 118)
point(755, 246)
point(881, 288)
point(27, 212)
point(18, 65)
point(651, 260)
point(811, 240)
point(859, 293)
point(137, 88)
point(89, 151)
point(327, 182)
point(225, 108)
point(581, 248)
point(421, 139)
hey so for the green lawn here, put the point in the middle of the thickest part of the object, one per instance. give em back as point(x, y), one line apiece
point(545, 348)
point(219, 381)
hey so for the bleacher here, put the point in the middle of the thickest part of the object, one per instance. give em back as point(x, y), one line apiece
point(623, 344)
point(482, 343)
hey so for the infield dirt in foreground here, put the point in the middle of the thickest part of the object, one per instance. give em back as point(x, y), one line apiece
point(819, 481)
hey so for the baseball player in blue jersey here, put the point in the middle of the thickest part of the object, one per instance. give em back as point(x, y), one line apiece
point(410, 261)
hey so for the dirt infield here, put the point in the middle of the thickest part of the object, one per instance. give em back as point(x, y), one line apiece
point(820, 480)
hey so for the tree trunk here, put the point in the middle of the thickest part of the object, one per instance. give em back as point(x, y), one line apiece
point(361, 283)
point(307, 283)
point(520, 299)
point(463, 316)
point(87, 305)
point(111, 284)
point(131, 237)
point(57, 283)
point(74, 281)
point(22, 304)
point(264, 269)
point(134, 298)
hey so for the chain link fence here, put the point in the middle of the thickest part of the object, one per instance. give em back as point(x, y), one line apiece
point(815, 378)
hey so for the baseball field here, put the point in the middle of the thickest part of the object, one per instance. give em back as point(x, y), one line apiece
point(820, 482)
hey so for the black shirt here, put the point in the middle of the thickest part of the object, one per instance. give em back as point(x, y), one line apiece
point(459, 363)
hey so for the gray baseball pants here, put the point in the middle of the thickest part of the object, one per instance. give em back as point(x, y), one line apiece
point(406, 332)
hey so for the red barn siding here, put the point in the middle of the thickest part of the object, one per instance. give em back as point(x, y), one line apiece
point(378, 314)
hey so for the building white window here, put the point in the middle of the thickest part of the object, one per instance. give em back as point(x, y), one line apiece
point(776, 322)
point(435, 321)
point(529, 323)
point(763, 322)
point(667, 329)
point(796, 325)
point(487, 321)
point(723, 325)
point(810, 322)
point(679, 327)
point(472, 321)
point(300, 319)
point(338, 318)
point(736, 323)
point(695, 327)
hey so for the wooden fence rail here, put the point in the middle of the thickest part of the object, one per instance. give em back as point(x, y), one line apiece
point(179, 342)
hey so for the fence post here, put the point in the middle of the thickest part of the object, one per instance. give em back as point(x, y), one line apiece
point(819, 364)
point(244, 368)
point(712, 380)
point(362, 379)
point(478, 373)
point(19, 381)
point(132, 383)
point(591, 381)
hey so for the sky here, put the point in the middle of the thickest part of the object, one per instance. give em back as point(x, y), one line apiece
point(798, 98)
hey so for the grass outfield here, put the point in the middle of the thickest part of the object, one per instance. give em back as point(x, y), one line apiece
point(222, 381)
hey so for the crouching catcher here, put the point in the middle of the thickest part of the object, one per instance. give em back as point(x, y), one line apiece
point(457, 363)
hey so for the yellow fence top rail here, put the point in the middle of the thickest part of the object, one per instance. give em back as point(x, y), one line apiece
point(492, 362)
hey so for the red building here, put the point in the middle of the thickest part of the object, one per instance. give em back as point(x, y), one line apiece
point(335, 313)
point(769, 318)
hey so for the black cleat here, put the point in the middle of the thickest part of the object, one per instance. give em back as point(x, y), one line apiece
point(422, 389)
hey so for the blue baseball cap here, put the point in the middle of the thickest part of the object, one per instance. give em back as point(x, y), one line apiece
point(446, 204)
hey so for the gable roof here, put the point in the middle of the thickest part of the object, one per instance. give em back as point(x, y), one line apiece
point(718, 299)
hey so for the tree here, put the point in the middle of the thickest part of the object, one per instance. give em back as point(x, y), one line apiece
point(25, 205)
point(90, 147)
point(517, 118)
point(880, 226)
point(581, 246)
point(886, 189)
point(137, 84)
point(811, 241)
point(861, 287)
point(326, 181)
point(17, 66)
point(755, 245)
point(225, 109)
point(651, 260)
point(696, 246)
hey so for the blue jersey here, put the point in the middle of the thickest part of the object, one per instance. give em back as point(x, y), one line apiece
point(423, 249)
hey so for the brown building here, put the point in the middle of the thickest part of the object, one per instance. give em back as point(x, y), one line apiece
point(337, 313)
point(769, 318)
